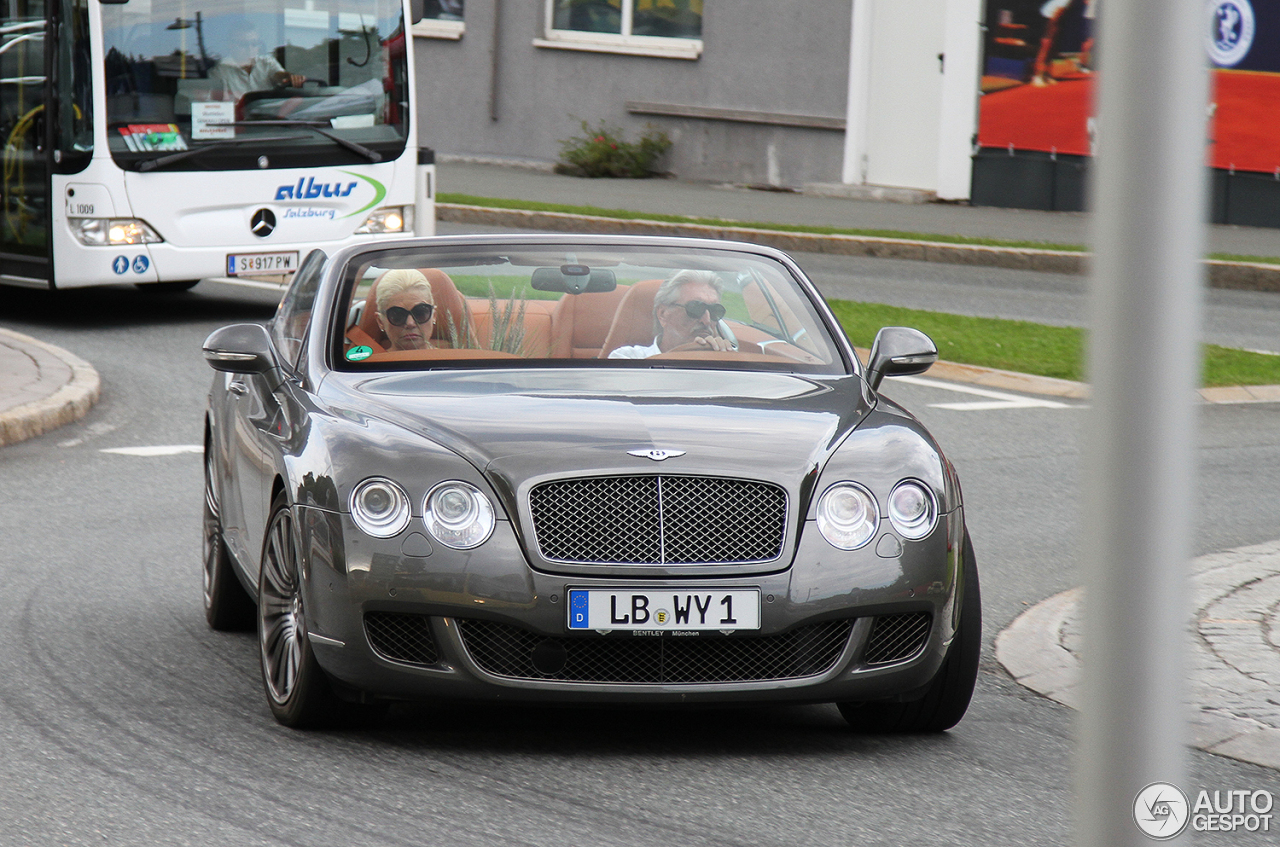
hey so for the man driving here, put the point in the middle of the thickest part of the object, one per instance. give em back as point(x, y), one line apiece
point(247, 68)
point(686, 310)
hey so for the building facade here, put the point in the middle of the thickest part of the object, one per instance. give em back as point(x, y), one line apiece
point(853, 92)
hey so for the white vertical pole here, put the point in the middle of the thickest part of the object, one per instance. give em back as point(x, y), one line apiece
point(854, 171)
point(1149, 195)
point(962, 57)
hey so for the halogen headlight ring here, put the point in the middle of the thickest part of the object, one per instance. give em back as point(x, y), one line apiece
point(458, 514)
point(380, 507)
point(848, 515)
point(913, 509)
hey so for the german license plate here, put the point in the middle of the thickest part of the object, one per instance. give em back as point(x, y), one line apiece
point(253, 264)
point(659, 610)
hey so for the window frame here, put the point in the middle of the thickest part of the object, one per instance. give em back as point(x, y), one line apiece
point(604, 42)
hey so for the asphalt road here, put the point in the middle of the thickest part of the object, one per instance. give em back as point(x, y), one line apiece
point(124, 720)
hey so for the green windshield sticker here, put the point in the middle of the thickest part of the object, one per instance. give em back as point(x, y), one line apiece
point(379, 191)
point(358, 354)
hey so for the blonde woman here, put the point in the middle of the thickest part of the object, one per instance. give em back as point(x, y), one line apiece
point(406, 309)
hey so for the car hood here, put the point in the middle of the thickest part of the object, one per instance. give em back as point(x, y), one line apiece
point(520, 425)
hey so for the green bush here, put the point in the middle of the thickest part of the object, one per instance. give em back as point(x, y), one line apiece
point(603, 152)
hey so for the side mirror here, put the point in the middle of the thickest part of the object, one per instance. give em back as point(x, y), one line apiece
point(240, 348)
point(899, 351)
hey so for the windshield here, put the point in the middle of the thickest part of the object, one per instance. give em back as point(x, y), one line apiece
point(602, 306)
point(253, 82)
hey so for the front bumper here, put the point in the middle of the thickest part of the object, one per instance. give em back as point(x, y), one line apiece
point(484, 625)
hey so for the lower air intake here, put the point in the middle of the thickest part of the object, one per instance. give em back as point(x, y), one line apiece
point(896, 638)
point(401, 637)
point(509, 651)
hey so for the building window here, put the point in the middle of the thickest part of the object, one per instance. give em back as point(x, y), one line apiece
point(670, 28)
point(440, 19)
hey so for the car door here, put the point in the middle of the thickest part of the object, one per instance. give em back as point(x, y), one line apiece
point(261, 425)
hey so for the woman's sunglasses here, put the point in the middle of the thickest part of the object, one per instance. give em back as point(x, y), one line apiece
point(695, 309)
point(396, 316)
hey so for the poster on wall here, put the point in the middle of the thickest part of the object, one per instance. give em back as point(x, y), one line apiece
point(1039, 65)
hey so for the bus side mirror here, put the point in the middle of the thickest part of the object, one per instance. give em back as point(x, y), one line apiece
point(417, 9)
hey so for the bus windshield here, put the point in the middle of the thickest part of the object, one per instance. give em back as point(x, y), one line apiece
point(275, 83)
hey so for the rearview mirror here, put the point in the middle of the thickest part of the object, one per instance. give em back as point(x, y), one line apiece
point(899, 351)
point(573, 279)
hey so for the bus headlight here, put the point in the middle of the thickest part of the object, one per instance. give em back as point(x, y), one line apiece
point(114, 232)
point(388, 219)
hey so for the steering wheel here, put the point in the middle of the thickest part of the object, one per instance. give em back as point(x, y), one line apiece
point(726, 333)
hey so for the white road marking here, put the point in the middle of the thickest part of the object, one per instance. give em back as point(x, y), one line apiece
point(160, 450)
point(995, 399)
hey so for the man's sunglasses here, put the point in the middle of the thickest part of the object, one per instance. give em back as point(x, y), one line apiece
point(695, 309)
point(396, 316)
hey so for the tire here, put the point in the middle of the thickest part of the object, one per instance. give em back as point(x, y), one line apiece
point(947, 697)
point(227, 606)
point(298, 691)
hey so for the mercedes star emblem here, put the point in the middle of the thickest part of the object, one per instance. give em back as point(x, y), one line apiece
point(656, 455)
point(263, 223)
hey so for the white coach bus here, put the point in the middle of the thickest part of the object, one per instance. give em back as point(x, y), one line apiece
point(161, 142)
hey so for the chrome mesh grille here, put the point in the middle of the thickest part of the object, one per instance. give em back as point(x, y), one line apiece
point(401, 637)
point(895, 638)
point(657, 520)
point(508, 651)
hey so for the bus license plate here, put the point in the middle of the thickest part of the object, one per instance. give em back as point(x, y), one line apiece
point(664, 610)
point(252, 264)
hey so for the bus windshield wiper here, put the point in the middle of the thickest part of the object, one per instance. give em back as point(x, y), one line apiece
point(181, 155)
point(316, 127)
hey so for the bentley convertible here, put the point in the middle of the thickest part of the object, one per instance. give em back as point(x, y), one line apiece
point(581, 469)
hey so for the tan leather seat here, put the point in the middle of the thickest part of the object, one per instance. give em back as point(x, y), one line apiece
point(581, 322)
point(633, 322)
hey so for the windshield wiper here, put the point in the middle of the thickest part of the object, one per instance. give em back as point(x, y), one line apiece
point(181, 155)
point(316, 127)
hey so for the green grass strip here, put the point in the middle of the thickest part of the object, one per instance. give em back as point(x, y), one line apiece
point(625, 214)
point(1030, 348)
point(628, 215)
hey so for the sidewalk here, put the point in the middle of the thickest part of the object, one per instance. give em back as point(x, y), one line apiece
point(1234, 663)
point(42, 387)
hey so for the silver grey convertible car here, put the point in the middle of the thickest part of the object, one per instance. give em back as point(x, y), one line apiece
point(581, 469)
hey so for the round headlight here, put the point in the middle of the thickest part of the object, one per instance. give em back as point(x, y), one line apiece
point(912, 509)
point(848, 515)
point(380, 507)
point(458, 515)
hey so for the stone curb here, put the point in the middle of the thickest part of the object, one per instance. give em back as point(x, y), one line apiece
point(68, 403)
point(1234, 663)
point(1248, 276)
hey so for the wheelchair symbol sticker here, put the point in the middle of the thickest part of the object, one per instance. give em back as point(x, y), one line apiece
point(120, 264)
point(140, 264)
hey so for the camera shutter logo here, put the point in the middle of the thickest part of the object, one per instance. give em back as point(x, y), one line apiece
point(1161, 811)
